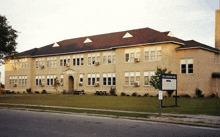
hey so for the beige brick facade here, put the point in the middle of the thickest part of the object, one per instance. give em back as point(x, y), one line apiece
point(203, 66)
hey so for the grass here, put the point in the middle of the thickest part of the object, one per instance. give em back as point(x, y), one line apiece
point(81, 111)
point(140, 104)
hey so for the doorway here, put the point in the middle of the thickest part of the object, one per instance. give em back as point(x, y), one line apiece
point(71, 83)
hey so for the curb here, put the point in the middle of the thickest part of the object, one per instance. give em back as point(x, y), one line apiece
point(162, 119)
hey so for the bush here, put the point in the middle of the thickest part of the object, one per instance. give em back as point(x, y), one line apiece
point(44, 92)
point(185, 96)
point(212, 95)
point(199, 93)
point(139, 95)
point(112, 91)
point(28, 90)
point(123, 94)
point(146, 94)
point(128, 95)
point(64, 92)
point(134, 94)
point(169, 92)
point(37, 92)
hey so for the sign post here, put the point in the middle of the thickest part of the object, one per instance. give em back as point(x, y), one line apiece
point(160, 97)
point(169, 82)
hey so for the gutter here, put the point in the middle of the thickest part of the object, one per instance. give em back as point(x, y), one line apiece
point(199, 47)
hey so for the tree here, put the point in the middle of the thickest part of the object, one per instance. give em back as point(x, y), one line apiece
point(56, 85)
point(7, 38)
point(155, 80)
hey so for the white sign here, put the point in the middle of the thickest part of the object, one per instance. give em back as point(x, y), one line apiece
point(160, 95)
point(169, 81)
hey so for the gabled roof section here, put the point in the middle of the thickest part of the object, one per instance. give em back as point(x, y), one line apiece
point(127, 35)
point(87, 40)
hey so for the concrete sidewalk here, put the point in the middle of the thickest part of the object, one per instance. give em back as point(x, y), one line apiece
point(198, 120)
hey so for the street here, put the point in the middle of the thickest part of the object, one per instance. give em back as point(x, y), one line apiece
point(20, 123)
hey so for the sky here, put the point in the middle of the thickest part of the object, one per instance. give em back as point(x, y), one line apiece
point(43, 22)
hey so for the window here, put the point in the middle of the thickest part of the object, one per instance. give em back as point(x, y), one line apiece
point(80, 78)
point(109, 57)
point(92, 58)
point(93, 78)
point(152, 53)
point(64, 60)
point(61, 80)
point(78, 60)
point(23, 63)
point(40, 80)
point(51, 62)
point(131, 78)
point(186, 66)
point(147, 77)
point(13, 80)
point(22, 80)
point(50, 80)
point(39, 62)
point(131, 54)
point(14, 64)
point(109, 79)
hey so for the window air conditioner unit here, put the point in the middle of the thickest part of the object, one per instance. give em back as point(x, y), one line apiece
point(136, 59)
point(42, 66)
point(80, 84)
point(136, 84)
point(97, 63)
point(15, 85)
point(96, 84)
point(15, 68)
point(67, 65)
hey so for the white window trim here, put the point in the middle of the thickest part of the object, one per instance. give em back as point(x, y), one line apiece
point(91, 55)
point(107, 75)
point(150, 49)
point(187, 69)
point(80, 61)
point(93, 75)
point(129, 76)
point(150, 73)
point(130, 51)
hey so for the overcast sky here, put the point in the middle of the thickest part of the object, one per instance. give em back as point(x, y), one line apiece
point(43, 22)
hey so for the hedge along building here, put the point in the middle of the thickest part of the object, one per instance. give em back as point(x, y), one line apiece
point(124, 60)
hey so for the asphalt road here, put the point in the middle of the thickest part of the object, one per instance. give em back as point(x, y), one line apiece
point(20, 123)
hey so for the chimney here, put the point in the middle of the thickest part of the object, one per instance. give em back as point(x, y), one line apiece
point(217, 29)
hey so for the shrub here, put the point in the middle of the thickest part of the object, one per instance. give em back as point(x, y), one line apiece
point(146, 94)
point(44, 92)
point(151, 96)
point(64, 92)
point(112, 91)
point(128, 95)
point(199, 93)
point(18, 92)
point(169, 92)
point(185, 96)
point(139, 95)
point(212, 95)
point(28, 90)
point(36, 92)
point(134, 94)
point(123, 94)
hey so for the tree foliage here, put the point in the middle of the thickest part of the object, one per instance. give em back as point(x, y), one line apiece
point(155, 80)
point(7, 38)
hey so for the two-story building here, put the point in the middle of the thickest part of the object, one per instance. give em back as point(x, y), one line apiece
point(124, 60)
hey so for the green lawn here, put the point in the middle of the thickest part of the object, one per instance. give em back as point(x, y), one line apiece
point(141, 104)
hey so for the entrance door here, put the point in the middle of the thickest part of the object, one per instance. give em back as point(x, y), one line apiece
point(71, 83)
